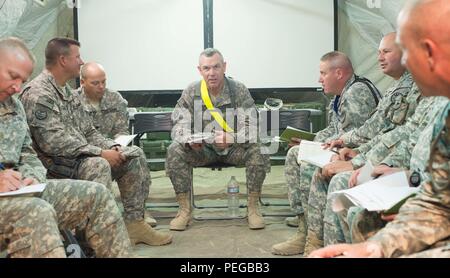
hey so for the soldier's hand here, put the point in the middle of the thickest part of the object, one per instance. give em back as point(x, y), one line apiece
point(384, 170)
point(347, 154)
point(334, 157)
point(223, 139)
point(388, 217)
point(29, 181)
point(196, 146)
point(294, 142)
point(338, 143)
point(113, 157)
point(10, 180)
point(333, 168)
point(352, 182)
point(360, 250)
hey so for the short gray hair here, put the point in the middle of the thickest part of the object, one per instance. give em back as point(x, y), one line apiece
point(13, 43)
point(209, 52)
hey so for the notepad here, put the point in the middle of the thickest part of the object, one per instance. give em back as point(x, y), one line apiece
point(291, 132)
point(124, 140)
point(313, 153)
point(36, 188)
point(384, 194)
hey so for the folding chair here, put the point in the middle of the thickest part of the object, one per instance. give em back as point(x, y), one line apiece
point(144, 122)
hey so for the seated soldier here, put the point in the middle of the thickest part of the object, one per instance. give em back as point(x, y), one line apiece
point(421, 228)
point(108, 110)
point(231, 144)
point(29, 226)
point(69, 145)
point(395, 118)
point(355, 99)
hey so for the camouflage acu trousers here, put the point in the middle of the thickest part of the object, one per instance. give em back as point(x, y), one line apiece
point(335, 225)
point(298, 180)
point(31, 225)
point(133, 179)
point(438, 252)
point(181, 159)
point(316, 202)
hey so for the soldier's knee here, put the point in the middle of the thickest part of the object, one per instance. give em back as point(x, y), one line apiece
point(292, 153)
point(101, 191)
point(41, 209)
point(102, 166)
point(175, 152)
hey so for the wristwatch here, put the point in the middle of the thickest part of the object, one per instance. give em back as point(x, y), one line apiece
point(414, 179)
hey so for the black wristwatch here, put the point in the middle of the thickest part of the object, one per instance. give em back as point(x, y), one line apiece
point(415, 179)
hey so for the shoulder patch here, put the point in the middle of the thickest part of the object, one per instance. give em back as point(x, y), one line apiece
point(40, 114)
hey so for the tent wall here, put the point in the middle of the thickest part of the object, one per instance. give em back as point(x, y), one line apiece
point(362, 23)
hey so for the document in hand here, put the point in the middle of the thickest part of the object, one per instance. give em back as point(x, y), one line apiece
point(124, 140)
point(313, 153)
point(291, 132)
point(36, 188)
point(382, 194)
point(199, 138)
point(365, 174)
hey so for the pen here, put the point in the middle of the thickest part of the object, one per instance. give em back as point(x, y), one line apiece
point(336, 152)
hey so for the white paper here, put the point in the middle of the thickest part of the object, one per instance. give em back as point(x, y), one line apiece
point(365, 175)
point(124, 140)
point(199, 138)
point(313, 152)
point(376, 195)
point(36, 188)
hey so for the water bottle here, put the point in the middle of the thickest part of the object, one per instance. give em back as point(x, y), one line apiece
point(233, 197)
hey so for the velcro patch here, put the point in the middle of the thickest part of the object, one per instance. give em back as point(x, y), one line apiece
point(40, 115)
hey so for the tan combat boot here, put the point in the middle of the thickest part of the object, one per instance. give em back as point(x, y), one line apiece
point(149, 219)
point(141, 232)
point(255, 220)
point(292, 221)
point(313, 242)
point(184, 215)
point(295, 244)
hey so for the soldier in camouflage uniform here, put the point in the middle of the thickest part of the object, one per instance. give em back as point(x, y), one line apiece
point(69, 145)
point(108, 110)
point(407, 154)
point(352, 105)
point(237, 147)
point(422, 226)
point(30, 225)
point(386, 126)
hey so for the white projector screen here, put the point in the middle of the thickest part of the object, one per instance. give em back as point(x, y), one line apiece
point(274, 43)
point(153, 45)
point(143, 44)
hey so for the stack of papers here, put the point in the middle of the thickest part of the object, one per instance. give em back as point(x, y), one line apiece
point(313, 153)
point(383, 194)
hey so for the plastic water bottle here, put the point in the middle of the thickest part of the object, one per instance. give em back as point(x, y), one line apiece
point(233, 197)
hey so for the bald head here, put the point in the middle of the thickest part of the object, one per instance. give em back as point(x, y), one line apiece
point(390, 56)
point(93, 80)
point(91, 68)
point(424, 28)
point(427, 18)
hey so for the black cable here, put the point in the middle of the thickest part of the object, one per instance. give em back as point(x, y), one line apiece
point(2, 5)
